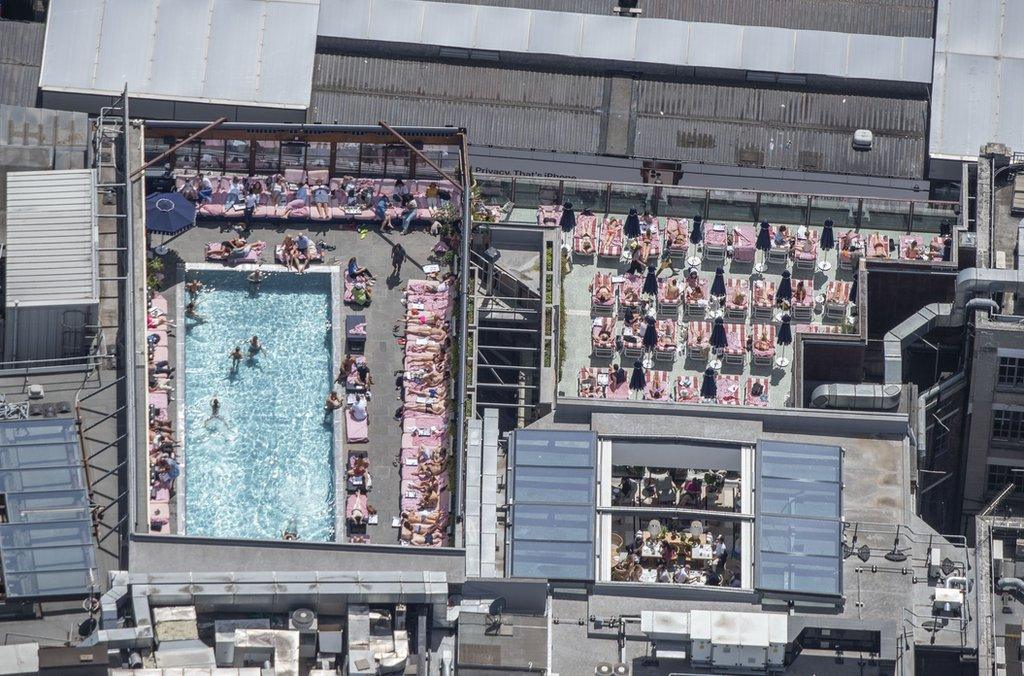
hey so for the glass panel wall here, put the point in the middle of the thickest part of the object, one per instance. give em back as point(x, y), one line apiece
point(886, 215)
point(783, 208)
point(346, 159)
point(622, 198)
point(397, 162)
point(318, 156)
point(268, 157)
point(679, 202)
point(732, 205)
point(237, 158)
point(931, 216)
point(494, 191)
point(585, 195)
point(293, 155)
point(842, 211)
point(186, 158)
point(371, 159)
point(532, 192)
point(156, 146)
point(212, 157)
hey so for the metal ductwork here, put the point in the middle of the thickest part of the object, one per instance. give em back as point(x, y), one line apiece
point(1014, 584)
point(867, 397)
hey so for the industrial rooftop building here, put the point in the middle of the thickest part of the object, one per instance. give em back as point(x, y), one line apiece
point(505, 336)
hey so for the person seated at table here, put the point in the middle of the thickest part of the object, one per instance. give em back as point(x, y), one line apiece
point(684, 574)
point(333, 403)
point(669, 552)
point(800, 292)
point(672, 291)
point(721, 554)
point(712, 578)
point(663, 574)
point(604, 291)
point(354, 270)
point(782, 237)
point(587, 243)
point(624, 493)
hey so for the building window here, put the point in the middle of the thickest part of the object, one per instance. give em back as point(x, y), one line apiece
point(940, 439)
point(1011, 372)
point(1007, 425)
point(1000, 475)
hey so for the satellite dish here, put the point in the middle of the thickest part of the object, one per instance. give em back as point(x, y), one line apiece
point(604, 669)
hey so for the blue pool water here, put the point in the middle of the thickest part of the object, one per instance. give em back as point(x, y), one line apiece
point(268, 460)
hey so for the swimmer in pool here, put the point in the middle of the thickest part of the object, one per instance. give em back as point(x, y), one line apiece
point(256, 276)
point(255, 347)
point(236, 357)
point(214, 409)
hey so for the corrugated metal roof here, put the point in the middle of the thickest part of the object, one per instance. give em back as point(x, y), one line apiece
point(502, 107)
point(782, 129)
point(51, 238)
point(912, 18)
point(21, 52)
point(603, 39)
point(238, 52)
point(979, 67)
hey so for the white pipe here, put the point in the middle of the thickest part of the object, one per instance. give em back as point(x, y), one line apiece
point(960, 582)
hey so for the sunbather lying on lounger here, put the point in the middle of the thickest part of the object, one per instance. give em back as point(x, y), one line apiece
point(426, 331)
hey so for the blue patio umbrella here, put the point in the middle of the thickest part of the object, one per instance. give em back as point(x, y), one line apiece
point(718, 338)
point(169, 213)
point(785, 336)
point(651, 282)
point(764, 237)
point(638, 380)
point(650, 334)
point(828, 236)
point(708, 384)
point(568, 219)
point(632, 227)
point(697, 231)
point(718, 285)
point(785, 290)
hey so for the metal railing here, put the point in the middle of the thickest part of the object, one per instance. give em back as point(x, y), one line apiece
point(89, 361)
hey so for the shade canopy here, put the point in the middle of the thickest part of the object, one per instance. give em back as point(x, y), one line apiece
point(169, 213)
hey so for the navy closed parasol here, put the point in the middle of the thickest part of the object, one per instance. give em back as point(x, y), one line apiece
point(568, 220)
point(697, 231)
point(632, 227)
point(638, 381)
point(785, 291)
point(708, 384)
point(650, 334)
point(718, 285)
point(853, 287)
point(785, 336)
point(828, 236)
point(169, 213)
point(651, 282)
point(718, 338)
point(764, 237)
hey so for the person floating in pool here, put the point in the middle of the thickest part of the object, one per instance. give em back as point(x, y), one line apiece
point(236, 357)
point(194, 287)
point(214, 410)
point(256, 276)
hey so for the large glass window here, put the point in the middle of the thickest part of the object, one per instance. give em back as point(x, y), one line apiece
point(732, 205)
point(1000, 475)
point(211, 158)
point(371, 160)
point(397, 165)
point(268, 158)
point(1011, 371)
point(237, 158)
point(293, 155)
point(156, 146)
point(186, 158)
point(318, 156)
point(346, 159)
point(1007, 425)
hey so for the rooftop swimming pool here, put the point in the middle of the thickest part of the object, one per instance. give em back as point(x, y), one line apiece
point(266, 461)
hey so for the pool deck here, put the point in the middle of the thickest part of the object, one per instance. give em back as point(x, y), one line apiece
point(383, 354)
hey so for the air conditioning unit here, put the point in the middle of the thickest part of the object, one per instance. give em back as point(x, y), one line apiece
point(863, 139)
point(948, 600)
point(934, 563)
point(303, 620)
